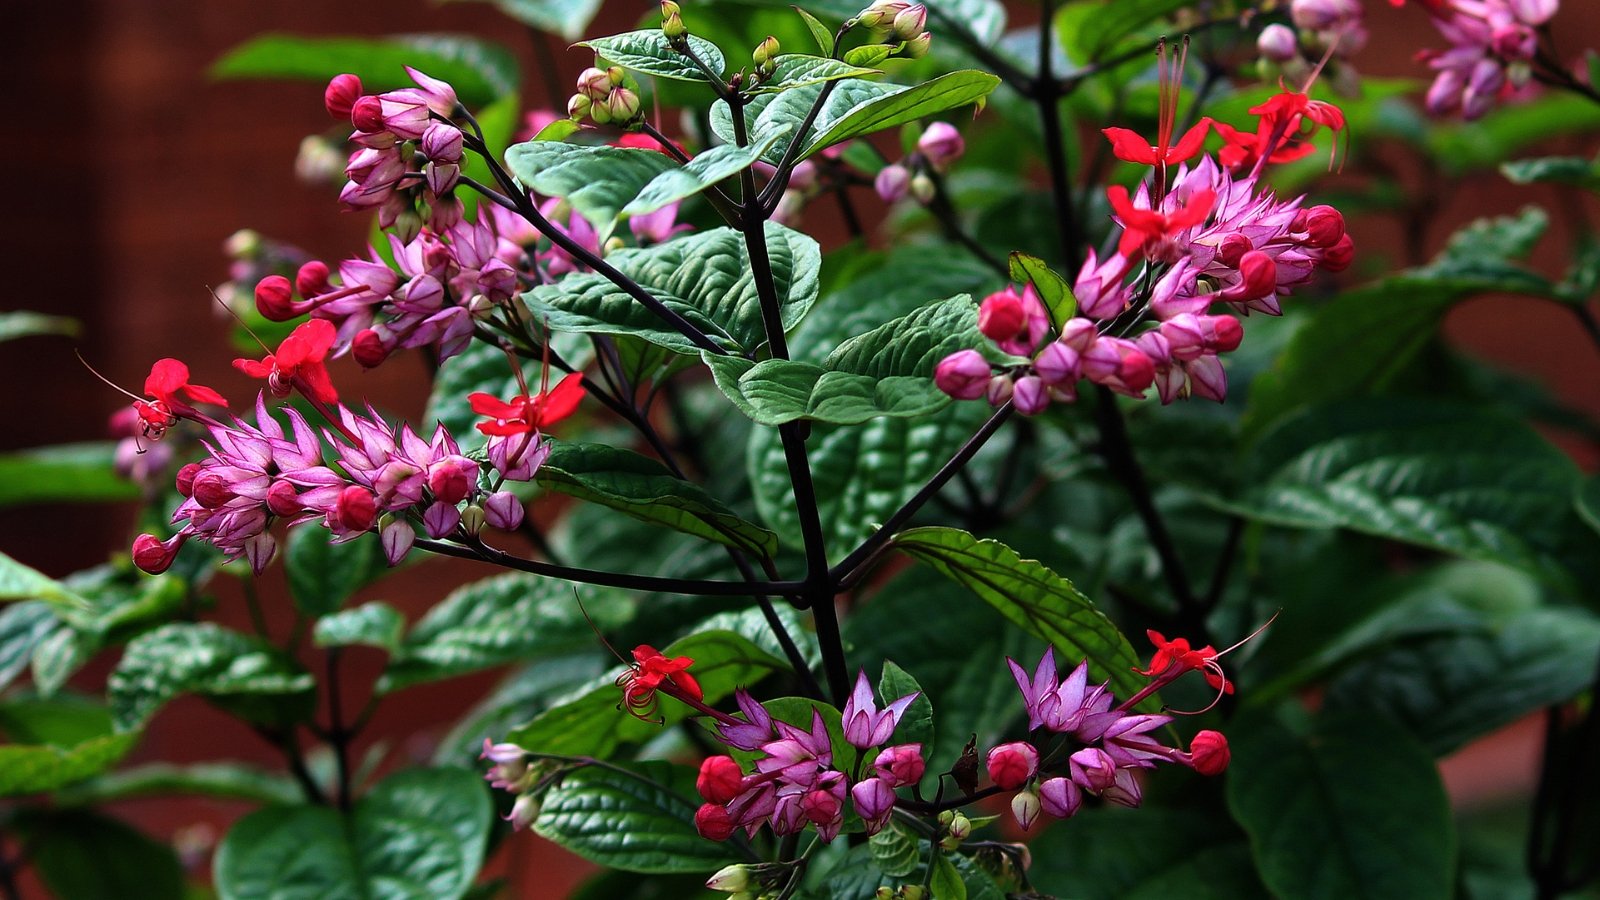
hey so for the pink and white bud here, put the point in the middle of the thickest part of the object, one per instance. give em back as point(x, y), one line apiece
point(442, 143)
point(731, 880)
point(1209, 753)
point(623, 105)
point(909, 22)
point(356, 508)
point(1534, 12)
point(1278, 43)
point(523, 812)
point(1483, 86)
point(1058, 365)
point(1060, 797)
point(259, 550)
point(440, 519)
point(892, 183)
point(1025, 807)
point(917, 47)
point(901, 765)
point(999, 390)
point(874, 801)
point(964, 375)
point(1125, 791)
point(503, 510)
point(436, 95)
point(594, 84)
point(154, 556)
point(1011, 765)
point(1119, 365)
point(880, 15)
point(1092, 769)
point(1029, 395)
point(397, 536)
point(1208, 379)
point(340, 95)
point(1316, 15)
point(941, 144)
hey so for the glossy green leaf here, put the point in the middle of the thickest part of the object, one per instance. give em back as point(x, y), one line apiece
point(598, 180)
point(795, 70)
point(83, 855)
point(1350, 807)
point(820, 32)
point(225, 780)
point(916, 725)
point(419, 835)
point(495, 621)
point(567, 18)
point(643, 488)
point(21, 324)
point(648, 52)
point(19, 582)
point(1115, 20)
point(698, 174)
point(57, 656)
point(945, 92)
point(64, 473)
point(946, 881)
point(1153, 853)
point(479, 71)
point(1053, 289)
point(323, 574)
point(198, 658)
point(642, 821)
point(375, 624)
point(1040, 601)
point(524, 693)
point(896, 852)
point(23, 626)
point(705, 276)
point(1510, 130)
point(594, 722)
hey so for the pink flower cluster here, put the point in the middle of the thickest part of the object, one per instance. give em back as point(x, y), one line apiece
point(387, 480)
point(1212, 238)
point(409, 150)
point(1492, 46)
point(1116, 743)
point(796, 783)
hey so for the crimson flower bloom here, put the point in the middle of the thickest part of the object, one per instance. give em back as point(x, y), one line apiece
point(652, 672)
point(170, 396)
point(1175, 657)
point(299, 360)
point(524, 414)
point(1129, 145)
point(1278, 132)
point(1145, 229)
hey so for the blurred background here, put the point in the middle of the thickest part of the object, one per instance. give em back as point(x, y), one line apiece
point(133, 167)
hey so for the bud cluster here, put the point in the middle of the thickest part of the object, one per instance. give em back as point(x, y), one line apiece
point(901, 22)
point(605, 97)
point(939, 146)
point(1493, 45)
point(410, 150)
point(1331, 29)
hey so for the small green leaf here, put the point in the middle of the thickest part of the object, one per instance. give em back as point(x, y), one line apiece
point(418, 835)
point(1118, 19)
point(559, 130)
point(819, 31)
point(21, 324)
point(895, 851)
point(947, 883)
point(1054, 290)
point(868, 54)
point(699, 174)
point(639, 822)
point(1043, 603)
point(323, 574)
point(1352, 807)
point(82, 855)
point(19, 582)
point(375, 624)
point(567, 18)
point(479, 71)
point(1570, 170)
point(916, 725)
point(597, 180)
point(199, 658)
point(648, 51)
point(796, 70)
point(64, 473)
point(644, 489)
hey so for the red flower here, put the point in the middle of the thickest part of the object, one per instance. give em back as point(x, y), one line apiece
point(299, 361)
point(170, 395)
point(1280, 128)
point(525, 414)
point(1173, 658)
point(1129, 145)
point(1144, 229)
point(652, 672)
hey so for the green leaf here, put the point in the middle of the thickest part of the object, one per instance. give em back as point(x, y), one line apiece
point(947, 883)
point(1586, 502)
point(82, 855)
point(19, 582)
point(705, 276)
point(1054, 290)
point(795, 70)
point(323, 574)
point(479, 71)
point(32, 768)
point(644, 489)
point(23, 626)
point(1115, 20)
point(21, 324)
point(639, 822)
point(493, 622)
point(57, 656)
point(1508, 131)
point(699, 174)
point(199, 658)
point(64, 720)
point(225, 780)
point(647, 51)
point(597, 180)
point(375, 624)
point(1351, 807)
point(916, 725)
point(419, 835)
point(942, 93)
point(1043, 603)
point(895, 851)
point(567, 18)
point(64, 473)
point(822, 33)
point(1570, 170)
point(594, 722)
point(868, 54)
point(1458, 479)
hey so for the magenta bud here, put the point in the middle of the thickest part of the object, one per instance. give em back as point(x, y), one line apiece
point(999, 390)
point(356, 508)
point(1029, 395)
point(1093, 769)
point(941, 144)
point(274, 299)
point(397, 537)
point(311, 279)
point(874, 801)
point(1057, 364)
point(451, 479)
point(442, 143)
point(1324, 225)
point(503, 510)
point(1278, 43)
point(211, 490)
point(1233, 247)
point(341, 94)
point(713, 822)
point(893, 182)
point(283, 500)
point(367, 115)
point(720, 779)
point(368, 349)
point(151, 555)
point(964, 375)
point(1060, 797)
point(185, 479)
point(1011, 765)
point(1209, 753)
point(1001, 316)
point(1260, 273)
point(1338, 257)
point(440, 519)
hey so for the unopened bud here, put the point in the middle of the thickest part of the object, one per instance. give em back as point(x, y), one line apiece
point(917, 47)
point(1001, 316)
point(185, 479)
point(998, 390)
point(1278, 43)
point(731, 879)
point(153, 556)
point(594, 83)
point(959, 829)
point(1029, 395)
point(503, 510)
point(1209, 753)
point(274, 299)
point(368, 349)
point(765, 51)
point(623, 105)
point(367, 115)
point(880, 15)
point(578, 106)
point(282, 499)
point(713, 822)
point(243, 244)
point(1324, 226)
point(397, 536)
point(922, 187)
point(472, 519)
point(720, 780)
point(341, 94)
point(523, 812)
point(913, 892)
point(1338, 257)
point(909, 23)
point(356, 508)
point(1011, 765)
point(941, 144)
point(892, 183)
point(211, 490)
point(1025, 806)
point(1232, 247)
point(672, 25)
point(312, 278)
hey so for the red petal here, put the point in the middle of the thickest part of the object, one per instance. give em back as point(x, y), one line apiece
point(562, 400)
point(688, 685)
point(1131, 146)
point(1120, 202)
point(199, 393)
point(1194, 212)
point(255, 368)
point(315, 383)
point(319, 335)
point(1189, 144)
point(504, 429)
point(644, 652)
point(166, 377)
point(495, 408)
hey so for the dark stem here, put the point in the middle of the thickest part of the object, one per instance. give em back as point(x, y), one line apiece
point(284, 741)
point(780, 177)
point(338, 735)
point(939, 806)
point(1048, 97)
point(1587, 320)
point(484, 553)
point(252, 602)
point(1219, 575)
point(1563, 782)
point(945, 211)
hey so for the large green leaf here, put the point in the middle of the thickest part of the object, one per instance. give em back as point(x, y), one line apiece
point(56, 743)
point(947, 91)
point(420, 834)
point(594, 722)
point(479, 71)
point(1111, 853)
point(375, 624)
point(64, 473)
point(19, 582)
point(567, 18)
point(1352, 807)
point(495, 621)
point(1508, 131)
point(796, 70)
point(228, 780)
point(648, 52)
point(644, 489)
point(706, 277)
point(323, 574)
point(1043, 603)
point(698, 174)
point(201, 658)
point(1454, 478)
point(597, 180)
point(640, 822)
point(82, 855)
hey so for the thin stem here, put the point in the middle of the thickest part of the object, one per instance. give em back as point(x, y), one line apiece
point(484, 553)
point(284, 741)
point(1219, 575)
point(848, 571)
point(786, 164)
point(945, 212)
point(338, 736)
point(1587, 320)
point(252, 602)
point(1048, 98)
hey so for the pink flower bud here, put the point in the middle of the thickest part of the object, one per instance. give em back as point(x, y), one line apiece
point(893, 182)
point(1514, 42)
point(963, 375)
point(274, 299)
point(1483, 85)
point(523, 812)
point(503, 510)
point(1093, 769)
point(1060, 797)
point(1029, 395)
point(1057, 365)
point(185, 479)
point(1534, 12)
point(881, 14)
point(1000, 315)
point(874, 800)
point(356, 508)
point(623, 105)
point(211, 490)
point(1025, 807)
point(259, 550)
point(909, 22)
point(1324, 226)
point(1011, 765)
point(311, 279)
point(1316, 15)
point(1125, 791)
point(1338, 257)
point(1233, 246)
point(941, 145)
point(917, 47)
point(1209, 753)
point(1208, 379)
point(713, 822)
point(1260, 273)
point(341, 95)
point(151, 555)
point(451, 479)
point(720, 779)
point(368, 349)
point(397, 537)
point(999, 390)
point(1119, 365)
point(578, 106)
point(1223, 333)
point(901, 765)
point(442, 143)
point(1444, 94)
point(366, 114)
point(594, 84)
point(440, 519)
point(1278, 43)
point(283, 500)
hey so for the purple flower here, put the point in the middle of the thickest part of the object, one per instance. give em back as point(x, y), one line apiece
point(864, 725)
point(757, 729)
point(874, 799)
point(798, 754)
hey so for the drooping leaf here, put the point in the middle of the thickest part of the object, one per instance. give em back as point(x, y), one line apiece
point(227, 780)
point(20, 324)
point(698, 174)
point(1350, 807)
point(1040, 601)
point(647, 51)
point(1054, 290)
point(895, 851)
point(200, 658)
point(644, 489)
point(80, 854)
point(323, 575)
point(19, 582)
point(642, 821)
point(479, 71)
point(418, 835)
point(597, 180)
point(64, 473)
